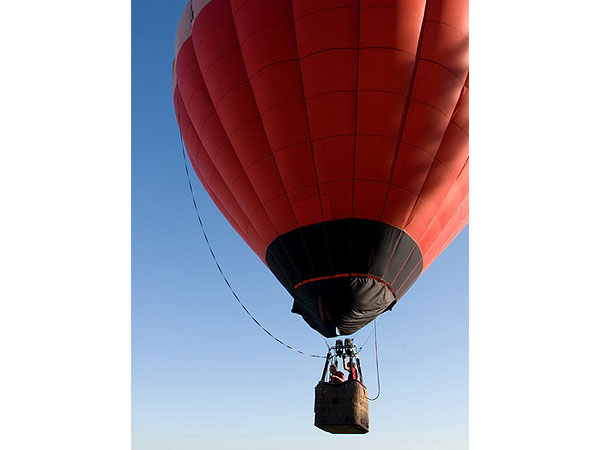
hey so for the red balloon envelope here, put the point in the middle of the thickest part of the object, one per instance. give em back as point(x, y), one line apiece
point(333, 136)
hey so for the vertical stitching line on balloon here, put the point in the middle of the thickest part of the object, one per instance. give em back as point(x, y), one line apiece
point(407, 278)
point(355, 132)
point(391, 258)
point(310, 139)
point(404, 116)
point(406, 107)
point(356, 105)
point(403, 266)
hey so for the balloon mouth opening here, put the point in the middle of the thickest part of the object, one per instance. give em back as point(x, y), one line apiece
point(342, 305)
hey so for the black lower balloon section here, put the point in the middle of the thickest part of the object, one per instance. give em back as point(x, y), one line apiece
point(344, 273)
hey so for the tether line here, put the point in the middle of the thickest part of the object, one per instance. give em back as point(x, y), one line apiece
point(377, 364)
point(187, 172)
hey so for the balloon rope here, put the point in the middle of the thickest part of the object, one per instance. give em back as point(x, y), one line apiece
point(376, 364)
point(368, 337)
point(379, 318)
point(187, 172)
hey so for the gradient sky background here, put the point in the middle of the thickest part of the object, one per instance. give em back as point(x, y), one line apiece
point(204, 376)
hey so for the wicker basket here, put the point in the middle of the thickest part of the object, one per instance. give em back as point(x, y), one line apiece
point(342, 408)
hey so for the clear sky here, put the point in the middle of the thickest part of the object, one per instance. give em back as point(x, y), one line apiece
point(204, 376)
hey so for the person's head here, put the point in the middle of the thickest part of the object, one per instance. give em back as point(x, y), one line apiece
point(333, 368)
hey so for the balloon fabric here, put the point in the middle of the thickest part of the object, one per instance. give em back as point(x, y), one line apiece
point(333, 136)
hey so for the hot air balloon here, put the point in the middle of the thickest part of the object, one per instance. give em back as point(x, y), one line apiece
point(333, 136)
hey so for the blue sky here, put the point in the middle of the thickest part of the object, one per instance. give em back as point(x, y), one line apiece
point(203, 374)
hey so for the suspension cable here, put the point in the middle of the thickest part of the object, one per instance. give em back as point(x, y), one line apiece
point(368, 337)
point(187, 172)
point(379, 318)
